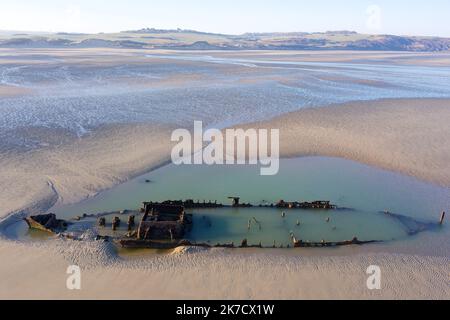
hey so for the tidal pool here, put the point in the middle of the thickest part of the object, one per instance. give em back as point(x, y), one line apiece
point(361, 192)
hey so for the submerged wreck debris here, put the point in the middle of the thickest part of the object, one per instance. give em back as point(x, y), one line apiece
point(103, 238)
point(83, 216)
point(244, 244)
point(163, 222)
point(162, 227)
point(191, 204)
point(187, 204)
point(101, 221)
point(46, 222)
point(115, 223)
point(225, 245)
point(300, 244)
point(411, 225)
point(318, 204)
point(258, 223)
point(441, 220)
point(236, 203)
point(130, 222)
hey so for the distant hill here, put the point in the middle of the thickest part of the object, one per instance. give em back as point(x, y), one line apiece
point(179, 39)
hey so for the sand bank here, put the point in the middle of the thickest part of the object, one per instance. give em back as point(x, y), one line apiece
point(80, 168)
point(373, 57)
point(406, 135)
point(11, 91)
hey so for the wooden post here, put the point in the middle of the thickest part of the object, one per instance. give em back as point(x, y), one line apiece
point(115, 223)
point(102, 222)
point(147, 233)
point(130, 222)
point(235, 201)
point(441, 221)
point(257, 222)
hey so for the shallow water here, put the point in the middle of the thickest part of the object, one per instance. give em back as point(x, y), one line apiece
point(362, 193)
point(218, 91)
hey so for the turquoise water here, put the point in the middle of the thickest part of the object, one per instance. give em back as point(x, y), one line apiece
point(362, 191)
point(346, 183)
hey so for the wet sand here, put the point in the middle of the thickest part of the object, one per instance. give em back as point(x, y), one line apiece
point(12, 91)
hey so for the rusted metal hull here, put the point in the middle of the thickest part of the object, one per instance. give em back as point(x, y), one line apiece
point(301, 244)
point(190, 204)
point(47, 223)
point(36, 225)
point(151, 244)
point(133, 243)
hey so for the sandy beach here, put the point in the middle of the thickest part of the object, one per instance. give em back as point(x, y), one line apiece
point(405, 135)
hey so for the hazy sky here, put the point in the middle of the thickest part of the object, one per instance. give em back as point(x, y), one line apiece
point(402, 17)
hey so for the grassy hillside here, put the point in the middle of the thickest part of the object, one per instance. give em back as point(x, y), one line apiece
point(189, 39)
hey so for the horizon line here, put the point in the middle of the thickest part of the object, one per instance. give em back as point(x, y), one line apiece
point(219, 33)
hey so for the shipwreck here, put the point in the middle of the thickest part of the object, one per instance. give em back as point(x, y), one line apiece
point(46, 222)
point(162, 226)
point(166, 225)
point(318, 204)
